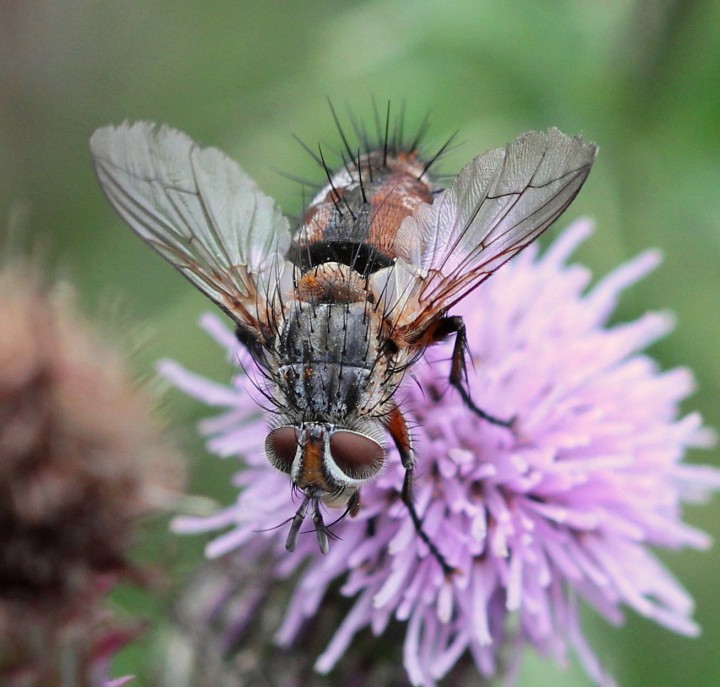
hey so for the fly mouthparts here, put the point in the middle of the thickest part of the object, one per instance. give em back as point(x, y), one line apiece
point(299, 518)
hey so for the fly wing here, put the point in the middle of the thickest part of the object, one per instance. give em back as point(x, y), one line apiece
point(498, 204)
point(199, 210)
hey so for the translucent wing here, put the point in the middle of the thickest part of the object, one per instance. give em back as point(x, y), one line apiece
point(198, 209)
point(498, 204)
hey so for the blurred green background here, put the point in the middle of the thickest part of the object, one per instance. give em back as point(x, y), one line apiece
point(642, 79)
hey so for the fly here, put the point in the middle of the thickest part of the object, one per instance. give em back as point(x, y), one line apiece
point(335, 312)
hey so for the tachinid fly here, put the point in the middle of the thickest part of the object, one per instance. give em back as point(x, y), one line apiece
point(336, 312)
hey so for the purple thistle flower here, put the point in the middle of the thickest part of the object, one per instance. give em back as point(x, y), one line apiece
point(562, 510)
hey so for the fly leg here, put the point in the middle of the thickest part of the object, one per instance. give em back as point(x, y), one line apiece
point(442, 329)
point(398, 429)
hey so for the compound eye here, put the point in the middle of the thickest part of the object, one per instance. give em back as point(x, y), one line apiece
point(357, 455)
point(280, 447)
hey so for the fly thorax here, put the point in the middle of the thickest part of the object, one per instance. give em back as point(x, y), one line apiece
point(332, 361)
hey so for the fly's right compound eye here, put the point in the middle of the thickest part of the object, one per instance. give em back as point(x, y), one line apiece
point(280, 447)
point(357, 455)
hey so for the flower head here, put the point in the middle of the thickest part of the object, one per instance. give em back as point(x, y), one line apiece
point(81, 459)
point(563, 508)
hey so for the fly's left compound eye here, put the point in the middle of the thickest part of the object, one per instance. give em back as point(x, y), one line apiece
point(280, 447)
point(358, 456)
